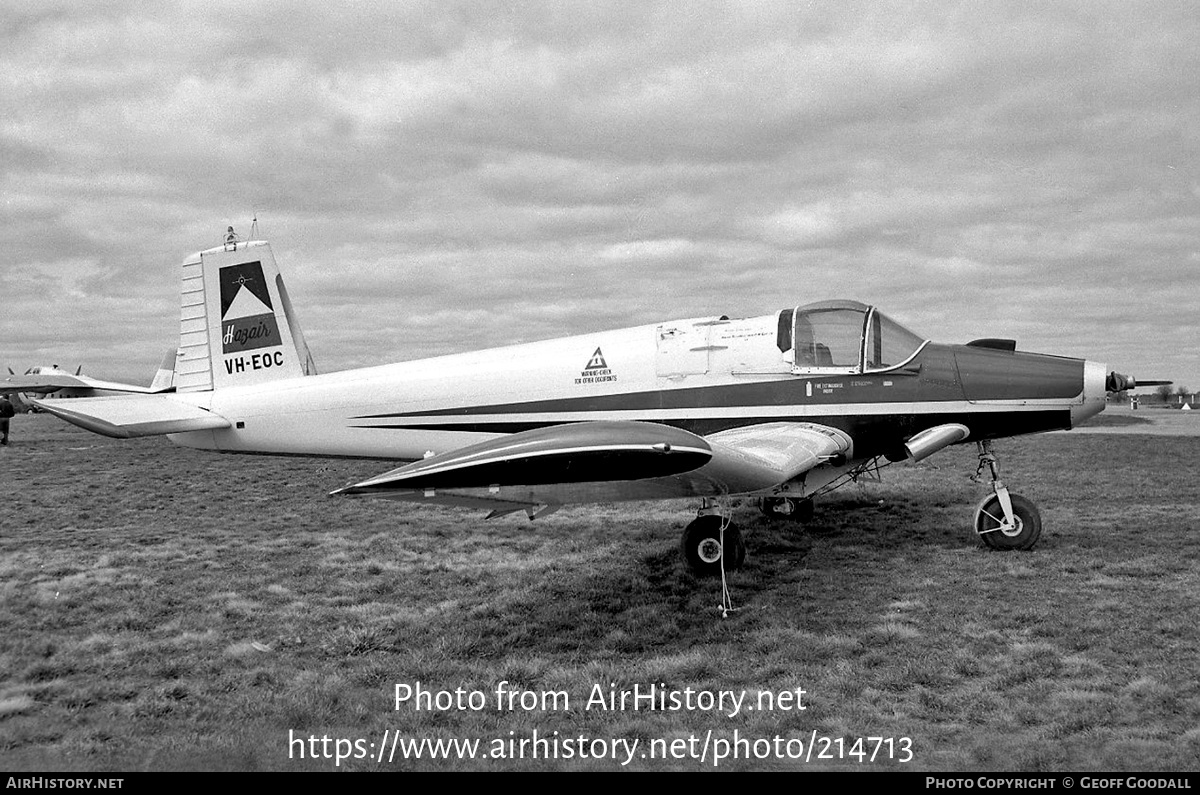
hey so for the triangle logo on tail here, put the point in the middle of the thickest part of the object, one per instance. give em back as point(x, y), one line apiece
point(244, 285)
point(247, 315)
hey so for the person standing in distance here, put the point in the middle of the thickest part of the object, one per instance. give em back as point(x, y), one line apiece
point(6, 413)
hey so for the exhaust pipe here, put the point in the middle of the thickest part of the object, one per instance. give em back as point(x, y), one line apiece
point(930, 440)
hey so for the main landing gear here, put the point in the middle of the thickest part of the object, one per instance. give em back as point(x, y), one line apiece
point(712, 545)
point(710, 539)
point(1004, 520)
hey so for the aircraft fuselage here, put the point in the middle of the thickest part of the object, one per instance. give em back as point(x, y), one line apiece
point(703, 375)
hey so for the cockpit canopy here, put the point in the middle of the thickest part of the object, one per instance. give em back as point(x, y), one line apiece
point(844, 337)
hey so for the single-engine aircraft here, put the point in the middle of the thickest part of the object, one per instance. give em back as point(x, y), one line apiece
point(785, 406)
point(51, 381)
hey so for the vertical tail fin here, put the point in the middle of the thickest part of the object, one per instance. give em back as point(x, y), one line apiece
point(237, 326)
point(164, 378)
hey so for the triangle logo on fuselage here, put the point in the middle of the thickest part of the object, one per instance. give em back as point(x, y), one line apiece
point(596, 362)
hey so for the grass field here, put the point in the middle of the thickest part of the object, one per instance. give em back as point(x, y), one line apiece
point(165, 609)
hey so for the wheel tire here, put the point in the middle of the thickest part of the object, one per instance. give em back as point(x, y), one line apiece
point(989, 516)
point(701, 547)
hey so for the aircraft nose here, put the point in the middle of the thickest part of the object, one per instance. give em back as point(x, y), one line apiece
point(1094, 393)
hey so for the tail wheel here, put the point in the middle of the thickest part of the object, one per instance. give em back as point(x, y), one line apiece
point(989, 523)
point(701, 546)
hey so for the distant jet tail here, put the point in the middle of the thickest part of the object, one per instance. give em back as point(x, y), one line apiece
point(237, 326)
point(164, 379)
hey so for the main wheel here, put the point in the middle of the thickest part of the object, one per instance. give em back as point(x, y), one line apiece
point(701, 547)
point(989, 518)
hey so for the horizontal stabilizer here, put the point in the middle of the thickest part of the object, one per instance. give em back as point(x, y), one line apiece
point(586, 452)
point(127, 416)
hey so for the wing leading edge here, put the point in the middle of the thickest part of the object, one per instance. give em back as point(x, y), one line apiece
point(610, 461)
point(573, 453)
point(40, 384)
point(45, 384)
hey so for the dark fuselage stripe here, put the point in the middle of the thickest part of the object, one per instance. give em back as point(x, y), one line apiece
point(936, 383)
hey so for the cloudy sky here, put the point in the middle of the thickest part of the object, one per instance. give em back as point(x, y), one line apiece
point(437, 177)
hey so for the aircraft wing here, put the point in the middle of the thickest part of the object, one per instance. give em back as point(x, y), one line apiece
point(43, 384)
point(40, 384)
point(113, 386)
point(575, 452)
point(781, 451)
point(127, 416)
point(609, 460)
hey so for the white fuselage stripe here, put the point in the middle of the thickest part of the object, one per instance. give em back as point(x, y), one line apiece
point(739, 412)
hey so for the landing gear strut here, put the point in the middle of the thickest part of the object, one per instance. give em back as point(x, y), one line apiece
point(1004, 520)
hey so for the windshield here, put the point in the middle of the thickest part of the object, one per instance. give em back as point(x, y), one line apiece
point(848, 337)
point(888, 343)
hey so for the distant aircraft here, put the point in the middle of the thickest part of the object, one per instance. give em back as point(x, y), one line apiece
point(53, 382)
point(786, 406)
